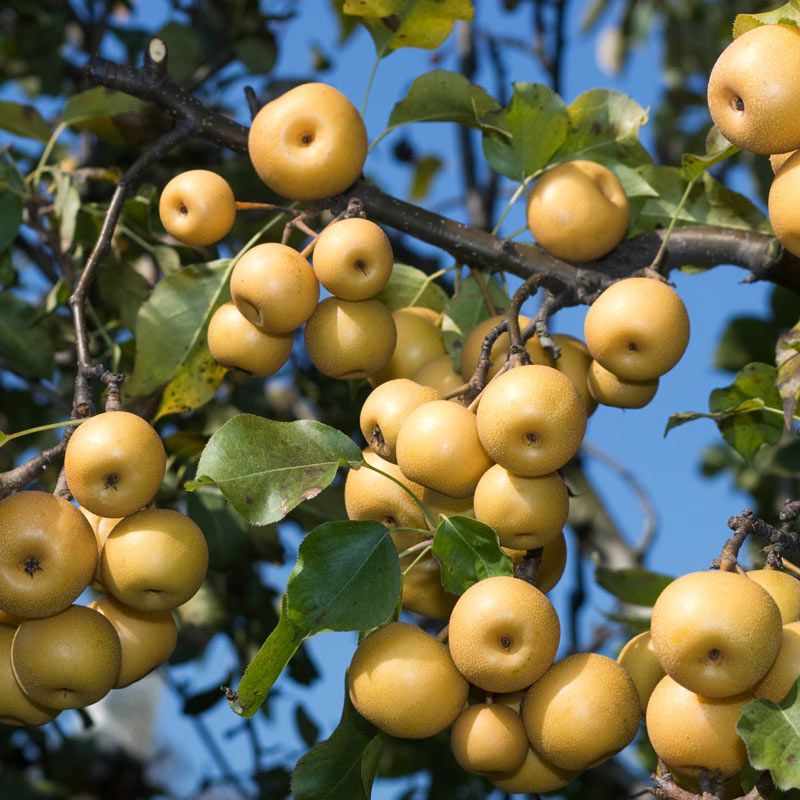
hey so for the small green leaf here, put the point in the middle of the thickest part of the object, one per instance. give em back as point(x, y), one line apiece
point(408, 23)
point(23, 340)
point(194, 384)
point(635, 585)
point(265, 468)
point(425, 170)
point(343, 766)
point(10, 217)
point(787, 14)
point(227, 534)
point(102, 112)
point(787, 358)
point(22, 120)
point(122, 290)
point(537, 120)
point(347, 578)
point(67, 206)
point(442, 96)
point(257, 53)
point(267, 665)
point(405, 284)
point(468, 551)
point(306, 727)
point(745, 407)
point(186, 51)
point(772, 734)
point(604, 127)
point(746, 339)
point(718, 148)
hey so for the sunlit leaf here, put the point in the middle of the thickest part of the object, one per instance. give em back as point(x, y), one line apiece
point(787, 14)
point(22, 120)
point(634, 585)
point(407, 283)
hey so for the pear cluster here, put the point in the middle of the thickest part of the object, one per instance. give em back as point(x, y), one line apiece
point(524, 721)
point(753, 97)
point(142, 561)
point(717, 640)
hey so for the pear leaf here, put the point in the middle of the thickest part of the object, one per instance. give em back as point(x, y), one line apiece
point(635, 585)
point(787, 14)
point(411, 285)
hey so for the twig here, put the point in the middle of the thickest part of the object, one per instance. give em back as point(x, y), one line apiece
point(19, 477)
point(484, 290)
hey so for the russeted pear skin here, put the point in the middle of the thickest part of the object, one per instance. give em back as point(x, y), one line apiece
point(440, 375)
point(438, 446)
point(503, 634)
point(309, 143)
point(611, 390)
point(348, 339)
point(638, 328)
point(370, 495)
point(384, 410)
point(531, 420)
point(423, 592)
point(716, 632)
point(114, 463)
point(404, 682)
point(641, 661)
point(692, 733)
point(784, 589)
point(781, 676)
point(197, 207)
point(578, 211)
point(147, 638)
point(70, 660)
point(471, 349)
point(574, 360)
point(582, 711)
point(48, 554)
point(754, 90)
point(16, 708)
point(526, 513)
point(534, 776)
point(489, 738)
point(782, 204)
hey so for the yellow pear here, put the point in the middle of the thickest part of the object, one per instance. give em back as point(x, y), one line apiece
point(611, 390)
point(641, 661)
point(439, 374)
point(16, 708)
point(423, 592)
point(489, 738)
point(784, 589)
point(781, 204)
point(785, 670)
point(197, 207)
point(534, 776)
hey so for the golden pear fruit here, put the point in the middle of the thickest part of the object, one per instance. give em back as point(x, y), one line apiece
point(503, 634)
point(439, 374)
point(637, 328)
point(236, 343)
point(274, 287)
point(785, 670)
point(582, 711)
point(753, 93)
point(423, 592)
point(578, 211)
point(489, 738)
point(526, 512)
point(70, 660)
point(611, 390)
point(784, 589)
point(573, 361)
point(641, 661)
point(147, 638)
point(777, 160)
point(781, 204)
point(385, 409)
point(154, 560)
point(16, 708)
point(531, 420)
point(114, 463)
point(309, 143)
point(440, 505)
point(101, 526)
point(551, 567)
point(692, 733)
point(47, 554)
point(715, 632)
point(197, 207)
point(348, 339)
point(534, 776)
point(438, 446)
point(353, 258)
point(418, 341)
point(404, 682)
point(370, 495)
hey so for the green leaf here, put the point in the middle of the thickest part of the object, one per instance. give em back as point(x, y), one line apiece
point(408, 23)
point(442, 96)
point(772, 734)
point(10, 217)
point(425, 170)
point(745, 433)
point(468, 551)
point(537, 120)
point(257, 53)
point(745, 339)
point(186, 51)
point(102, 112)
point(343, 766)
point(466, 309)
point(787, 358)
point(405, 284)
point(267, 665)
point(171, 326)
point(347, 578)
point(227, 534)
point(22, 120)
point(635, 585)
point(604, 127)
point(729, 209)
point(718, 148)
point(24, 341)
point(787, 14)
point(745, 407)
point(265, 468)
point(122, 290)
point(67, 206)
point(195, 383)
point(306, 727)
